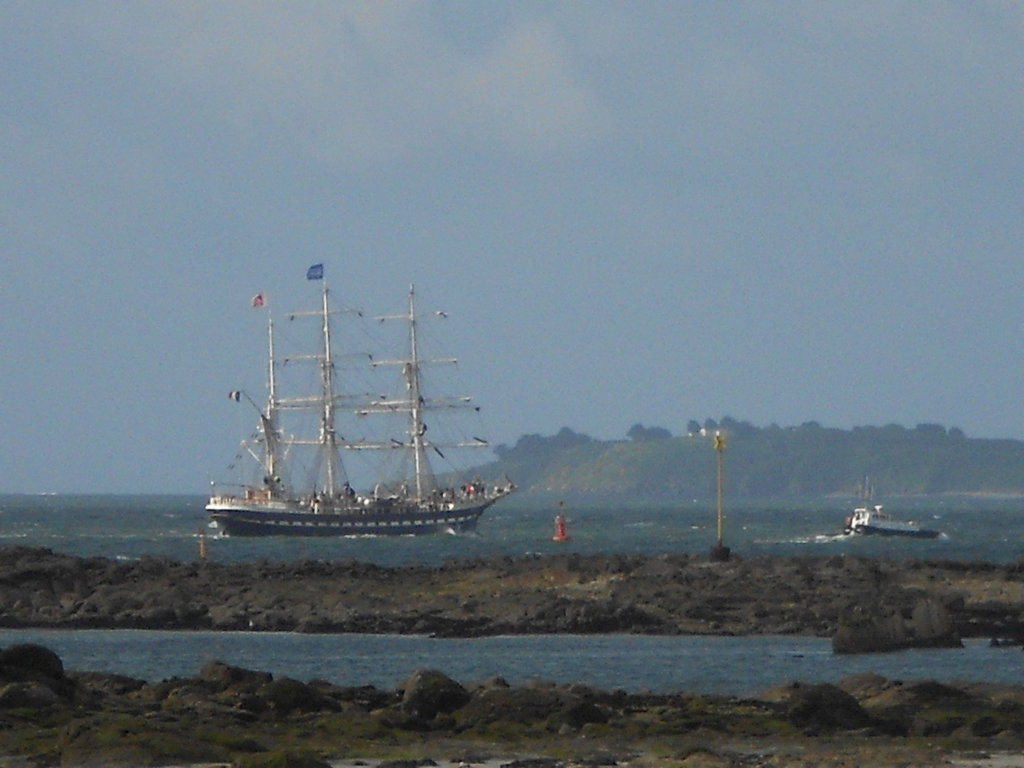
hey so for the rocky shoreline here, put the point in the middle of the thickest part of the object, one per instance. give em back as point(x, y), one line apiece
point(225, 715)
point(229, 716)
point(862, 603)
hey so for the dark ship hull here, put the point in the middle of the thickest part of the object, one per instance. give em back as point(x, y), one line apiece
point(880, 530)
point(291, 519)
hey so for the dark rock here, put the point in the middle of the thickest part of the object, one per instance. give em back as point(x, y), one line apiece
point(226, 676)
point(495, 681)
point(986, 727)
point(27, 696)
point(30, 661)
point(932, 692)
point(529, 705)
point(429, 693)
point(825, 707)
point(582, 713)
point(864, 685)
point(931, 626)
point(107, 683)
point(867, 627)
point(366, 697)
point(943, 725)
point(287, 695)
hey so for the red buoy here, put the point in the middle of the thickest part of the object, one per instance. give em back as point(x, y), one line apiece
point(560, 533)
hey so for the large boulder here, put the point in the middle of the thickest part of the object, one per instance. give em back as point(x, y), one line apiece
point(868, 627)
point(37, 666)
point(428, 693)
point(28, 661)
point(825, 707)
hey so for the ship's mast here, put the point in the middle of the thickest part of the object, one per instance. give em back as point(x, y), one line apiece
point(271, 477)
point(417, 428)
point(414, 405)
point(328, 436)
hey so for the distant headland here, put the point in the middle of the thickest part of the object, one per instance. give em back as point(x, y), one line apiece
point(764, 462)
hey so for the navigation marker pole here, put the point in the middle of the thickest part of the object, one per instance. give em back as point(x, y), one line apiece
point(719, 552)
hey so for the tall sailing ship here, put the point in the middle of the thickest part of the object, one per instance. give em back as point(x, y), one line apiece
point(326, 504)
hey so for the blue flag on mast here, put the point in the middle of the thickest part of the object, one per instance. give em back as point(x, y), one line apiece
point(316, 272)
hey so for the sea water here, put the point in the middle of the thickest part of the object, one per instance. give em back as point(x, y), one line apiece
point(727, 665)
point(975, 528)
point(130, 527)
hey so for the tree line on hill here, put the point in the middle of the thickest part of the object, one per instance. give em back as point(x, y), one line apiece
point(764, 462)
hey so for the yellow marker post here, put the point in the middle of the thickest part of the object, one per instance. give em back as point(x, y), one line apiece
point(720, 552)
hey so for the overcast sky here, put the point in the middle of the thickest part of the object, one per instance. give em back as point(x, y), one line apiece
point(632, 212)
